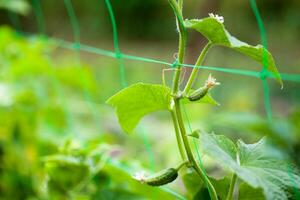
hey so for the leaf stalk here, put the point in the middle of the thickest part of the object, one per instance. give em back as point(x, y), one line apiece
point(182, 42)
point(232, 186)
point(196, 68)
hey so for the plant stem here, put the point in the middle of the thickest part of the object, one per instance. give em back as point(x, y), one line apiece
point(182, 129)
point(182, 42)
point(178, 137)
point(178, 68)
point(231, 188)
point(188, 149)
point(180, 3)
point(181, 165)
point(196, 68)
point(177, 115)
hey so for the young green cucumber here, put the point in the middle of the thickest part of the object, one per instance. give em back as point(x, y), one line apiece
point(198, 94)
point(162, 178)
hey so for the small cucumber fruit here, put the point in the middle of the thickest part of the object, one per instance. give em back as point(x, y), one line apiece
point(162, 178)
point(198, 94)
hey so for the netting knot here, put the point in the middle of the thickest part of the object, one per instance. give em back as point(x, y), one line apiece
point(76, 45)
point(118, 55)
point(263, 74)
point(175, 64)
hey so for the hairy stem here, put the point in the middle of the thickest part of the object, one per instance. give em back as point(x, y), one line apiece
point(196, 68)
point(189, 152)
point(178, 137)
point(231, 188)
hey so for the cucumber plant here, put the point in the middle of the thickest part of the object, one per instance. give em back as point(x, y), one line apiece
point(254, 173)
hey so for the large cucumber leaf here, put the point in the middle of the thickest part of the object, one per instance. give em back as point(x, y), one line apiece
point(253, 164)
point(138, 100)
point(215, 32)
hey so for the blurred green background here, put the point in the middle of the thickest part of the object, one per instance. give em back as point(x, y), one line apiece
point(52, 99)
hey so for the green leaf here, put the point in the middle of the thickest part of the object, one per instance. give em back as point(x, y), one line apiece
point(219, 146)
point(256, 167)
point(202, 194)
point(208, 99)
point(194, 185)
point(192, 182)
point(17, 6)
point(216, 33)
point(66, 172)
point(221, 185)
point(247, 192)
point(112, 194)
point(138, 100)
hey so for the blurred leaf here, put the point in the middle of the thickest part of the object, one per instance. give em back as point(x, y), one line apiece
point(17, 6)
point(255, 167)
point(113, 194)
point(85, 81)
point(282, 131)
point(6, 95)
point(221, 185)
point(192, 182)
point(216, 33)
point(66, 172)
point(247, 192)
point(194, 185)
point(138, 100)
point(202, 194)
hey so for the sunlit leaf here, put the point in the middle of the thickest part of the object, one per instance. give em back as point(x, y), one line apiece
point(216, 33)
point(17, 6)
point(219, 146)
point(138, 100)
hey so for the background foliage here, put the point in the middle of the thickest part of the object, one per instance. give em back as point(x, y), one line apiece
point(52, 100)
